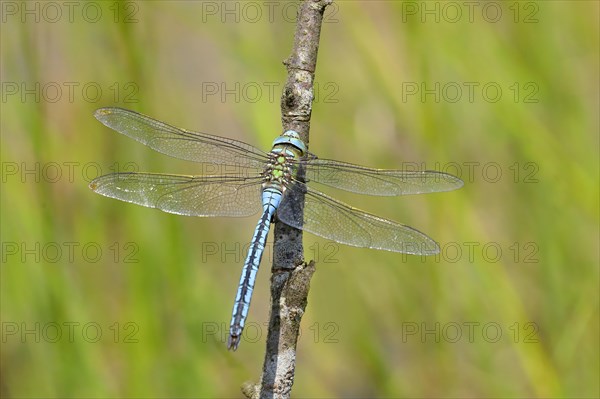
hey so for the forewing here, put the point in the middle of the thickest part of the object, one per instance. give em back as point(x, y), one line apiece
point(184, 195)
point(180, 143)
point(384, 182)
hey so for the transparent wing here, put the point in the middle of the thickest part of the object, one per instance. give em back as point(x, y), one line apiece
point(334, 220)
point(385, 182)
point(184, 195)
point(180, 143)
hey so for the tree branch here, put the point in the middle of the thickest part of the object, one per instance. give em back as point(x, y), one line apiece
point(290, 280)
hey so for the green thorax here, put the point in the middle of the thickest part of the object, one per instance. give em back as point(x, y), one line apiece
point(287, 148)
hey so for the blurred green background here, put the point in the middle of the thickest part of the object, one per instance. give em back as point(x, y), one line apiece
point(102, 298)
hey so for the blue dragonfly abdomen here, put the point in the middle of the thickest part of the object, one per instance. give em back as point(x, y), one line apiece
point(271, 200)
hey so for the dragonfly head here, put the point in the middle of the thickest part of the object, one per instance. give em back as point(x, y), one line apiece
point(292, 138)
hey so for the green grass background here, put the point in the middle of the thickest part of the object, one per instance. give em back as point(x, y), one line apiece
point(529, 161)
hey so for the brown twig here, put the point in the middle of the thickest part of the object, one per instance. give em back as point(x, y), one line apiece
point(290, 281)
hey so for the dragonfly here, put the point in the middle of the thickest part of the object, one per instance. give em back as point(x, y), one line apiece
point(273, 183)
